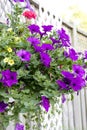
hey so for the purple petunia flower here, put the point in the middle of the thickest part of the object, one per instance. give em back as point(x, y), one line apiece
point(54, 40)
point(24, 55)
point(3, 106)
point(65, 53)
point(85, 54)
point(34, 28)
point(61, 84)
point(45, 103)
point(77, 83)
point(47, 28)
point(78, 69)
point(67, 74)
point(73, 54)
point(37, 48)
point(19, 126)
point(46, 47)
point(64, 37)
point(9, 78)
point(45, 59)
point(33, 40)
point(63, 98)
point(19, 0)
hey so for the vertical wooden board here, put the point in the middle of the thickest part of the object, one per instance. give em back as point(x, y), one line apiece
point(77, 112)
point(71, 116)
point(83, 109)
point(86, 105)
point(65, 116)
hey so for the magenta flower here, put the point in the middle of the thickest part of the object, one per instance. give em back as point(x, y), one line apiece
point(45, 103)
point(77, 83)
point(78, 69)
point(46, 47)
point(37, 48)
point(9, 78)
point(34, 28)
point(67, 74)
point(73, 54)
point(19, 0)
point(47, 28)
point(65, 53)
point(64, 37)
point(24, 55)
point(3, 106)
point(45, 59)
point(85, 54)
point(19, 126)
point(33, 40)
point(54, 40)
point(61, 84)
point(63, 98)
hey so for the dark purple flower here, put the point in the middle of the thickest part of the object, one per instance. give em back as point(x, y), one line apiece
point(54, 40)
point(85, 54)
point(67, 74)
point(78, 69)
point(19, 0)
point(63, 98)
point(77, 83)
point(47, 28)
point(73, 54)
point(64, 37)
point(3, 106)
point(61, 84)
point(67, 81)
point(33, 40)
point(46, 47)
point(34, 28)
point(45, 103)
point(42, 34)
point(19, 126)
point(9, 78)
point(24, 55)
point(45, 59)
point(37, 48)
point(65, 53)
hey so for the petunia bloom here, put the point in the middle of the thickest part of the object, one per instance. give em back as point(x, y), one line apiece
point(73, 54)
point(29, 14)
point(33, 40)
point(45, 59)
point(19, 0)
point(46, 47)
point(19, 126)
point(45, 103)
point(63, 98)
point(34, 28)
point(61, 84)
point(47, 28)
point(3, 106)
point(78, 69)
point(9, 78)
point(24, 55)
point(77, 83)
point(64, 37)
